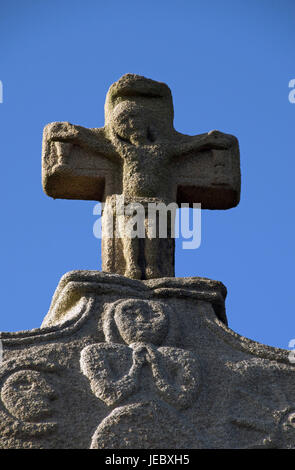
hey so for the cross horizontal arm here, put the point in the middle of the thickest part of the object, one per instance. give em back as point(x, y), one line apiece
point(208, 171)
point(78, 163)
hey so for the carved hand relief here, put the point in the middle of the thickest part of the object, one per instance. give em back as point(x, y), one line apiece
point(139, 370)
point(27, 397)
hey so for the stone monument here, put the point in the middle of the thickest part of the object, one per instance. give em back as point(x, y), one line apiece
point(132, 357)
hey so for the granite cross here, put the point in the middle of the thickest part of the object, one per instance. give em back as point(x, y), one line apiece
point(139, 155)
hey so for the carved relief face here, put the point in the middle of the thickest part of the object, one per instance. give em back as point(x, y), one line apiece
point(27, 395)
point(138, 109)
point(142, 321)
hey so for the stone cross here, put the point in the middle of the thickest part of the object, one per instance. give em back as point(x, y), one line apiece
point(139, 155)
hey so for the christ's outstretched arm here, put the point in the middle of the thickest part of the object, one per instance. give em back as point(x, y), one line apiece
point(213, 140)
point(93, 139)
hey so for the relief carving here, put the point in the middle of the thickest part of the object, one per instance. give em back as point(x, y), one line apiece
point(27, 397)
point(139, 371)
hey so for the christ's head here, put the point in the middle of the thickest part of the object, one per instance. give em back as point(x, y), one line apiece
point(139, 110)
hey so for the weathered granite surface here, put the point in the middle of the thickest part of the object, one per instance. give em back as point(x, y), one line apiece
point(139, 155)
point(121, 363)
point(146, 362)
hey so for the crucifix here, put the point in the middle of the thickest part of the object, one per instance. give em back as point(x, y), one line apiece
point(139, 155)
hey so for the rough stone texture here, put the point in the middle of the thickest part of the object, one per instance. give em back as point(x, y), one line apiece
point(136, 257)
point(139, 154)
point(121, 363)
point(126, 363)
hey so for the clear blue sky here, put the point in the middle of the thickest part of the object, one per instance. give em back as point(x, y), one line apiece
point(228, 64)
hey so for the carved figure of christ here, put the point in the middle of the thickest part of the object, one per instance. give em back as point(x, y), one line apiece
point(139, 154)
